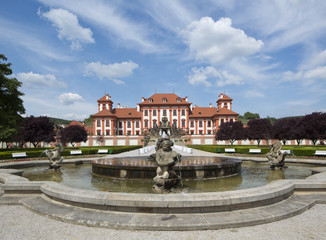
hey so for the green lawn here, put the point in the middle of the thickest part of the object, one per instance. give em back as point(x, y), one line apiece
point(6, 154)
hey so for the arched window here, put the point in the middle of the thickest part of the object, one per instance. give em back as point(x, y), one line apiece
point(165, 100)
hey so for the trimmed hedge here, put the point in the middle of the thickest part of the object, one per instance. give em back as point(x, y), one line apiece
point(37, 152)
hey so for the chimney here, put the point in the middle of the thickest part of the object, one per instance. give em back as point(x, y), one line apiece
point(210, 105)
point(118, 105)
point(186, 98)
point(142, 99)
point(107, 97)
point(138, 108)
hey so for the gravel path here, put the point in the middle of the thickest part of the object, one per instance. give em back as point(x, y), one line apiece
point(20, 223)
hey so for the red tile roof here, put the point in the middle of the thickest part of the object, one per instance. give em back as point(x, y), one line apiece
point(104, 113)
point(226, 111)
point(224, 98)
point(127, 113)
point(119, 113)
point(203, 112)
point(88, 129)
point(103, 99)
point(210, 112)
point(171, 98)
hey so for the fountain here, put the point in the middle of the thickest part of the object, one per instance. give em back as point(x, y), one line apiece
point(54, 157)
point(275, 157)
point(163, 165)
point(166, 179)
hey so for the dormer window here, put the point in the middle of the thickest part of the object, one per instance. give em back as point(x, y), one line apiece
point(150, 100)
point(178, 99)
point(165, 100)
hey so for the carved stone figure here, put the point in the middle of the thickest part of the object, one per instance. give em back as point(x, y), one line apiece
point(54, 157)
point(166, 179)
point(275, 156)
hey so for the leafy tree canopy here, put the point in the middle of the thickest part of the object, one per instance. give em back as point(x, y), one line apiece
point(35, 130)
point(259, 129)
point(249, 115)
point(73, 134)
point(231, 131)
point(11, 105)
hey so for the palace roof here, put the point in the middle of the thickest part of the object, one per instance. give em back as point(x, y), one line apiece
point(210, 112)
point(119, 113)
point(165, 99)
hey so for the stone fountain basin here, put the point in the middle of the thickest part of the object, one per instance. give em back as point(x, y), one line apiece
point(190, 167)
point(163, 203)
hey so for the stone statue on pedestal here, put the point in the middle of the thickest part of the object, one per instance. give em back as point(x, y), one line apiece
point(54, 157)
point(166, 179)
point(275, 156)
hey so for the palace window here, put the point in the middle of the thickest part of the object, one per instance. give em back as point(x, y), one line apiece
point(150, 100)
point(137, 124)
point(200, 123)
point(146, 113)
point(129, 124)
point(107, 123)
point(191, 123)
point(178, 99)
point(231, 120)
point(192, 132)
point(200, 132)
point(222, 121)
point(164, 112)
point(137, 132)
point(120, 132)
point(165, 100)
point(98, 123)
point(154, 112)
point(174, 112)
point(209, 132)
point(183, 112)
point(120, 124)
point(154, 123)
point(175, 122)
point(183, 123)
point(146, 123)
point(208, 123)
point(98, 132)
point(107, 132)
point(128, 132)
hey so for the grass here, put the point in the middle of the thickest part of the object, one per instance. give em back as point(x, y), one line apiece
point(306, 151)
point(36, 153)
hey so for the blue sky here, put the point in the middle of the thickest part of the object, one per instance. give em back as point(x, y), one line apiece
point(269, 56)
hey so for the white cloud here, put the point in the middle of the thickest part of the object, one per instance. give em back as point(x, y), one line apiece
point(218, 41)
point(70, 98)
point(111, 71)
point(16, 35)
point(35, 80)
point(112, 21)
point(203, 75)
point(228, 79)
point(253, 94)
point(69, 28)
point(316, 73)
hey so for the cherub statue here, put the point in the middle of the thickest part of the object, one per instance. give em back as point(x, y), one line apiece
point(275, 156)
point(54, 157)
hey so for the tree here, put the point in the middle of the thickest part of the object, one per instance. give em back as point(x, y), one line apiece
point(259, 129)
point(315, 126)
point(298, 133)
point(73, 134)
point(283, 129)
point(35, 130)
point(231, 131)
point(249, 115)
point(11, 105)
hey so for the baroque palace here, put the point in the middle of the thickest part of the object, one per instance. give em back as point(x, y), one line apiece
point(199, 123)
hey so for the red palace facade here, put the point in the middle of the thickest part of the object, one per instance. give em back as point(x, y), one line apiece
point(129, 122)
